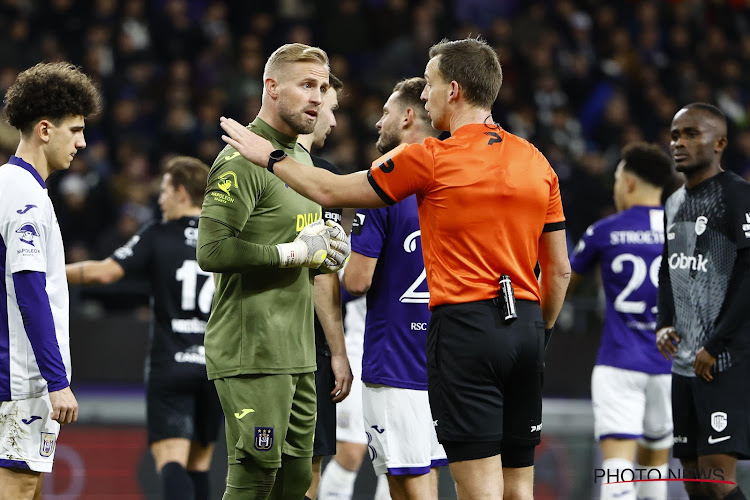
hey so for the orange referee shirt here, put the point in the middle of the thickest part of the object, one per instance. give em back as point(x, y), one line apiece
point(485, 196)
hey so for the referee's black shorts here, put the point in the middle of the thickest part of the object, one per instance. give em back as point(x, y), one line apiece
point(324, 443)
point(485, 381)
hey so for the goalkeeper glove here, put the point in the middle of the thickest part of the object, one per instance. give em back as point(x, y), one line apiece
point(340, 249)
point(309, 249)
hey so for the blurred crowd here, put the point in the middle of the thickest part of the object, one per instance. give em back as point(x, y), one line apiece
point(581, 79)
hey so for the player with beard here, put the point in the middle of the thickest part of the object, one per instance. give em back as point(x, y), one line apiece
point(260, 340)
point(387, 265)
point(703, 320)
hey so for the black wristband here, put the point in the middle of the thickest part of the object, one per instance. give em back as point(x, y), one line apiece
point(276, 155)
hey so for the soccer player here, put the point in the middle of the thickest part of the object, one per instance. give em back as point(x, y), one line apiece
point(333, 378)
point(489, 205)
point(386, 264)
point(630, 384)
point(47, 104)
point(183, 411)
point(260, 340)
point(703, 319)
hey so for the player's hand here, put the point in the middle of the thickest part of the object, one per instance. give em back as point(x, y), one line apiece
point(340, 248)
point(703, 364)
point(342, 374)
point(309, 249)
point(251, 146)
point(64, 406)
point(666, 341)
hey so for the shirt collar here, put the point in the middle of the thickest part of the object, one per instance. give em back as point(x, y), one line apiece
point(19, 162)
point(268, 131)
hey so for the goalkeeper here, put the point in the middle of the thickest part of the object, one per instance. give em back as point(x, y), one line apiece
point(260, 343)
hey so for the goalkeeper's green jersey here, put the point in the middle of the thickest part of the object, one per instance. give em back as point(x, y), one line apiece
point(262, 316)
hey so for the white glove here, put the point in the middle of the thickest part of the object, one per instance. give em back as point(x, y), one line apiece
point(340, 248)
point(309, 249)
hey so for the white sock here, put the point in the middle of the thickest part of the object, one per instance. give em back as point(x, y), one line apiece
point(622, 491)
point(653, 490)
point(336, 483)
point(382, 491)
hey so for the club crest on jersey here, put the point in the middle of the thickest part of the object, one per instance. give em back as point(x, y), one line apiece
point(48, 444)
point(719, 421)
point(263, 438)
point(700, 225)
point(28, 232)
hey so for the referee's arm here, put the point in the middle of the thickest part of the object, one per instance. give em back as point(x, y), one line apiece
point(555, 266)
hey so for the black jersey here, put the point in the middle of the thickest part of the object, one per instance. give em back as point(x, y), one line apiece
point(181, 292)
point(705, 228)
point(334, 214)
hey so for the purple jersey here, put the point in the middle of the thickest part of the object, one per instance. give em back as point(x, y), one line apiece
point(628, 247)
point(397, 313)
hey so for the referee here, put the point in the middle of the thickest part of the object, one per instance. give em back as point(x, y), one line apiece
point(489, 205)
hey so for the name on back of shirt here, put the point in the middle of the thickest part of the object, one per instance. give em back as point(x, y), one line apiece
point(649, 237)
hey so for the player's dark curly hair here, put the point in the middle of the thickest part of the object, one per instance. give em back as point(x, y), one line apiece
point(650, 163)
point(52, 91)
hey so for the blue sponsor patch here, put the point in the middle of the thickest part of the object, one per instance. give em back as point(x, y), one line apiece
point(263, 438)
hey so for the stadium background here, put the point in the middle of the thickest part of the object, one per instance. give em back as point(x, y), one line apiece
point(581, 79)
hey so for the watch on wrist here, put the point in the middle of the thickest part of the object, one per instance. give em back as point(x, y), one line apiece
point(276, 155)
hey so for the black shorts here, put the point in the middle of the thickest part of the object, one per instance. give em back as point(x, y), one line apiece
point(182, 404)
point(485, 378)
point(712, 417)
point(324, 443)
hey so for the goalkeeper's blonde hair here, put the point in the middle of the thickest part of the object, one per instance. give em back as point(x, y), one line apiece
point(292, 53)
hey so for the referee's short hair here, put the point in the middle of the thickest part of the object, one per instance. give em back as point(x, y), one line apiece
point(191, 173)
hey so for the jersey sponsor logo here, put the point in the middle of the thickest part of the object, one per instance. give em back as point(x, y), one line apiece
point(418, 327)
point(232, 156)
point(25, 209)
point(683, 261)
point(536, 428)
point(700, 225)
point(358, 223)
point(305, 219)
point(28, 232)
point(126, 251)
point(47, 446)
point(192, 325)
point(719, 421)
point(494, 138)
point(636, 237)
point(263, 438)
point(241, 414)
point(227, 181)
point(680, 440)
point(195, 354)
point(191, 236)
point(670, 232)
point(29, 421)
point(713, 440)
point(335, 217)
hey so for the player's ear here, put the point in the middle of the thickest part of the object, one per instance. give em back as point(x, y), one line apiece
point(720, 144)
point(271, 86)
point(42, 130)
point(409, 117)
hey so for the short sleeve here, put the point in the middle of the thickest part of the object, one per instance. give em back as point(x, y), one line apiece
point(136, 255)
point(402, 172)
point(555, 219)
point(739, 207)
point(586, 253)
point(368, 235)
point(234, 187)
point(26, 232)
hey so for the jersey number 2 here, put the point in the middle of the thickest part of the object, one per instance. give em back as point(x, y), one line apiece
point(188, 275)
point(622, 304)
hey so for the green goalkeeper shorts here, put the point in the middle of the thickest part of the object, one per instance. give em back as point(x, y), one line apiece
point(267, 415)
